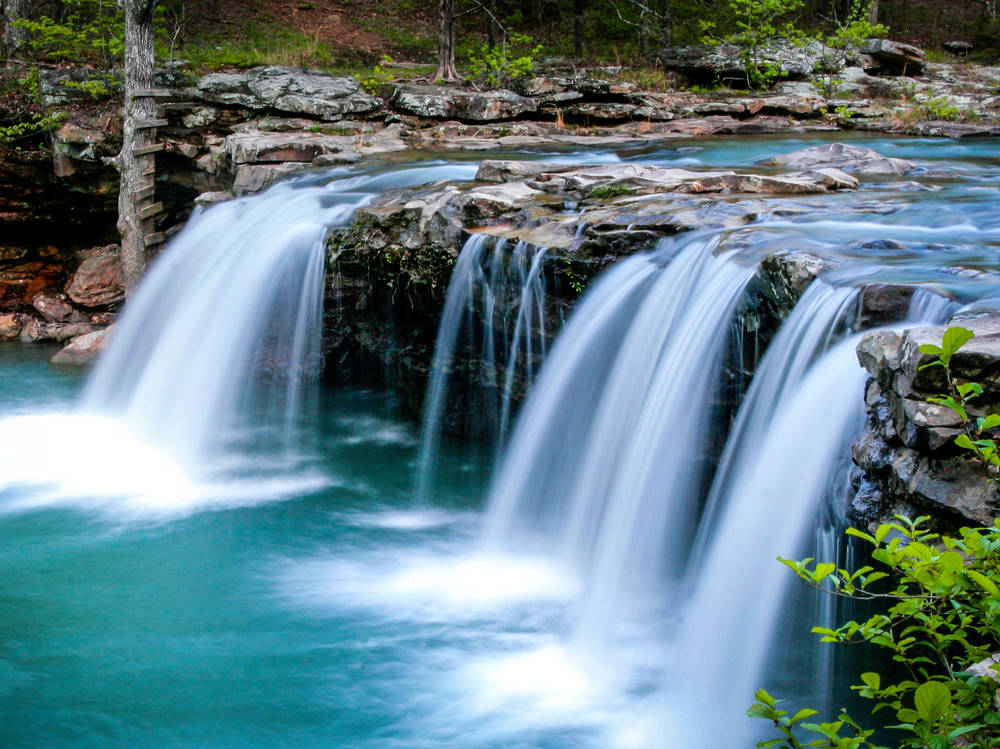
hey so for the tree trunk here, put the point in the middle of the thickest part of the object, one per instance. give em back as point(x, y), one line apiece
point(666, 23)
point(446, 42)
point(493, 33)
point(873, 11)
point(136, 164)
point(579, 40)
point(14, 37)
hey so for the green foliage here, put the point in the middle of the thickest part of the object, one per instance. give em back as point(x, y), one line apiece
point(937, 108)
point(941, 621)
point(611, 191)
point(39, 123)
point(88, 31)
point(755, 23)
point(505, 63)
point(976, 437)
point(380, 77)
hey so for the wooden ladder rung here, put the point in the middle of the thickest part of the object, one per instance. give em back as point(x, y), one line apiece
point(150, 210)
point(153, 239)
point(145, 193)
point(148, 124)
point(146, 150)
point(152, 93)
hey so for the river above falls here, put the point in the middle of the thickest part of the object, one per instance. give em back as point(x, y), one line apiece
point(293, 595)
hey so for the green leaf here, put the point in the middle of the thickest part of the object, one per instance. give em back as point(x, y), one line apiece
point(803, 714)
point(932, 699)
point(871, 679)
point(860, 534)
point(955, 733)
point(991, 421)
point(953, 340)
point(761, 695)
point(965, 442)
point(929, 348)
point(985, 583)
point(822, 571)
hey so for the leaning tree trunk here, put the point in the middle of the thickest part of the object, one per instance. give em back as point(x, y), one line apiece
point(446, 42)
point(872, 12)
point(14, 36)
point(136, 162)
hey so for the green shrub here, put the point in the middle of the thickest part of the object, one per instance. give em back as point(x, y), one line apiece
point(505, 63)
point(940, 623)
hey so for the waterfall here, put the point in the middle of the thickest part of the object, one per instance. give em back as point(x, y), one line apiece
point(493, 313)
point(721, 649)
point(225, 324)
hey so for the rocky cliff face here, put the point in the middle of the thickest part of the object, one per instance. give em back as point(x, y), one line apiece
point(907, 460)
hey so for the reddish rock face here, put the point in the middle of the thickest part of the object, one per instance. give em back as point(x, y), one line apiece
point(10, 326)
point(99, 281)
point(55, 308)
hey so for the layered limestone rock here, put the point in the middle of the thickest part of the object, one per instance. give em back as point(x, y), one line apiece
point(906, 457)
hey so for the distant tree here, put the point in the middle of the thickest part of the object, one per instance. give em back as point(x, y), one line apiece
point(653, 18)
point(15, 36)
point(446, 42)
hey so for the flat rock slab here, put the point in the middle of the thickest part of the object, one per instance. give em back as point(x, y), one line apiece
point(449, 103)
point(291, 90)
point(842, 156)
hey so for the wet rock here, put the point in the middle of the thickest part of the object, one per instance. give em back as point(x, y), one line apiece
point(55, 308)
point(907, 452)
point(449, 103)
point(10, 325)
point(251, 178)
point(36, 330)
point(84, 349)
point(895, 58)
point(99, 281)
point(843, 156)
point(255, 147)
point(291, 90)
point(882, 304)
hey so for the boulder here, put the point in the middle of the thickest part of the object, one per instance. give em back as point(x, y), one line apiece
point(291, 90)
point(895, 58)
point(724, 63)
point(448, 103)
point(99, 281)
point(83, 349)
point(10, 325)
point(958, 47)
point(255, 147)
point(55, 308)
point(843, 156)
point(36, 330)
point(906, 455)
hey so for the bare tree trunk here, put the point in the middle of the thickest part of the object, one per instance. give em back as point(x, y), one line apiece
point(446, 42)
point(873, 11)
point(579, 40)
point(493, 32)
point(137, 160)
point(14, 36)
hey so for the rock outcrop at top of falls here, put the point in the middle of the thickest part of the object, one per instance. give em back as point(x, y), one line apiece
point(394, 262)
point(907, 457)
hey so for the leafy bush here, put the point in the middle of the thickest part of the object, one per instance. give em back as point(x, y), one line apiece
point(90, 31)
point(505, 63)
point(941, 624)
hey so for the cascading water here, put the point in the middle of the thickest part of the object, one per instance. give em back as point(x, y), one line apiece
point(351, 618)
point(493, 312)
